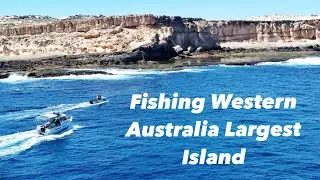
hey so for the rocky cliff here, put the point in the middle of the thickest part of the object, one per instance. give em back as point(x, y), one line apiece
point(79, 25)
point(101, 34)
point(224, 30)
point(267, 31)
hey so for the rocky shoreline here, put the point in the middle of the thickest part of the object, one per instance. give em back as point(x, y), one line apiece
point(147, 57)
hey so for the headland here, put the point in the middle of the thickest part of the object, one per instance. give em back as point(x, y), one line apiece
point(41, 46)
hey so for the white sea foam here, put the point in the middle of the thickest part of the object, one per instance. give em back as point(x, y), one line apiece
point(16, 78)
point(31, 113)
point(118, 74)
point(308, 61)
point(135, 72)
point(88, 77)
point(150, 71)
point(132, 71)
point(231, 66)
point(21, 141)
point(191, 70)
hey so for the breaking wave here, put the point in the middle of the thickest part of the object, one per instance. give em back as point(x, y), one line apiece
point(308, 61)
point(189, 70)
point(31, 113)
point(132, 72)
point(118, 74)
point(16, 78)
point(21, 141)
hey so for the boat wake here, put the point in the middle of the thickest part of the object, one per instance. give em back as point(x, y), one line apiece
point(308, 61)
point(21, 141)
point(31, 113)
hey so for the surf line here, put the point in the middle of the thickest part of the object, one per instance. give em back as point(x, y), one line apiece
point(219, 101)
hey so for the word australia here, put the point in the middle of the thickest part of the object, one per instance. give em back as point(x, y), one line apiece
point(218, 101)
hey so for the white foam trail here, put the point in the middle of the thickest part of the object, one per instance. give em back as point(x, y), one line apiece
point(21, 141)
point(19, 115)
point(308, 61)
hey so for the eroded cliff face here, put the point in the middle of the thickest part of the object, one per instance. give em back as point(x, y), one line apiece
point(69, 26)
point(125, 33)
point(223, 30)
point(264, 31)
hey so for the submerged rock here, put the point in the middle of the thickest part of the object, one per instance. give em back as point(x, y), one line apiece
point(4, 75)
point(63, 72)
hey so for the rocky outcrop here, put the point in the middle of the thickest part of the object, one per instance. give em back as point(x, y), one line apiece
point(186, 32)
point(4, 75)
point(159, 51)
point(63, 72)
point(55, 72)
point(318, 33)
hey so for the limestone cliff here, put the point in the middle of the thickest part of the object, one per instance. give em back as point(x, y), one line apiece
point(263, 31)
point(125, 33)
point(79, 25)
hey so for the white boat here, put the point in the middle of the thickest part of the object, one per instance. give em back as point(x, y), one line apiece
point(99, 99)
point(55, 123)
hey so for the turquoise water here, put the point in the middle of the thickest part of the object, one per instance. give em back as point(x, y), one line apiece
point(95, 147)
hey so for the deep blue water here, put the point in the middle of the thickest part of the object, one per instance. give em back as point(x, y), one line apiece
point(96, 147)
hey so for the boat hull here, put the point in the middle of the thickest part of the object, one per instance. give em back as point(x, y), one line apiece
point(50, 131)
point(97, 101)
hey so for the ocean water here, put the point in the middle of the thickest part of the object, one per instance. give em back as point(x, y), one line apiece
point(95, 147)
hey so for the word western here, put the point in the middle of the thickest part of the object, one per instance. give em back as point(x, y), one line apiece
point(221, 101)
